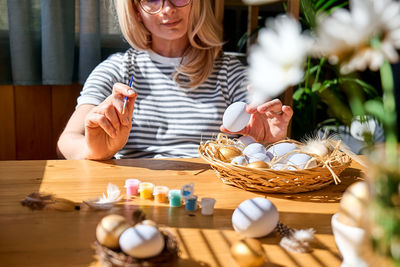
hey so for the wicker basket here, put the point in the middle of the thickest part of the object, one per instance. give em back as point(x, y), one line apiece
point(274, 181)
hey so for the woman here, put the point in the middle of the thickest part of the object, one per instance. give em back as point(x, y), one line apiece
point(182, 84)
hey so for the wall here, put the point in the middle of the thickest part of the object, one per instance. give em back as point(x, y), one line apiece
point(32, 118)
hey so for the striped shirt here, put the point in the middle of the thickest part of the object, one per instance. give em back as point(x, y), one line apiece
point(168, 120)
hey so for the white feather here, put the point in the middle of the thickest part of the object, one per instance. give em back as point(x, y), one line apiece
point(298, 240)
point(113, 195)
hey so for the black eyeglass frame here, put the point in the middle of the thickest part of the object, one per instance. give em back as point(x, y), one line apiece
point(161, 6)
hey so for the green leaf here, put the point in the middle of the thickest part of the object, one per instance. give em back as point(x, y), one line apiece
point(367, 88)
point(313, 69)
point(338, 6)
point(326, 6)
point(308, 12)
point(316, 87)
point(298, 93)
point(375, 108)
point(319, 3)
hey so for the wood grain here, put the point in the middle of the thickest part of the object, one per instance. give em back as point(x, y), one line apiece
point(219, 10)
point(52, 238)
point(63, 102)
point(7, 122)
point(34, 122)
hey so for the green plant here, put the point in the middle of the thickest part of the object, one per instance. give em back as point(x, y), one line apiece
point(326, 98)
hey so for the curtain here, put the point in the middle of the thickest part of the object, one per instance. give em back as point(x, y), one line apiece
point(55, 41)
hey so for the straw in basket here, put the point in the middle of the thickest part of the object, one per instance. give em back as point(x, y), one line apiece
point(326, 171)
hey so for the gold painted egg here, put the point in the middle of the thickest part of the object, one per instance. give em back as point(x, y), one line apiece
point(110, 229)
point(227, 153)
point(248, 252)
point(258, 165)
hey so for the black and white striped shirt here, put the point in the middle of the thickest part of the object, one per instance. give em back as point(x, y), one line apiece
point(168, 120)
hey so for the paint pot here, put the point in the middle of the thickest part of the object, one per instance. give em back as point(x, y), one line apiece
point(160, 193)
point(207, 206)
point(187, 190)
point(191, 203)
point(132, 186)
point(174, 198)
point(146, 190)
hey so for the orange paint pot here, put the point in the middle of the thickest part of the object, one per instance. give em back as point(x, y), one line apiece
point(161, 194)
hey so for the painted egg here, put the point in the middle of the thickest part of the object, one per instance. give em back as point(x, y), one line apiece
point(248, 252)
point(235, 117)
point(142, 241)
point(281, 149)
point(259, 157)
point(282, 166)
point(256, 217)
point(227, 153)
point(300, 160)
point(239, 160)
point(110, 229)
point(254, 148)
point(258, 165)
point(246, 140)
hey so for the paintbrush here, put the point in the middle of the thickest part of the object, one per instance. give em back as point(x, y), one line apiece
point(126, 98)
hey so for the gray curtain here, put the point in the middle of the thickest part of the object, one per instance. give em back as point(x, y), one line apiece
point(55, 41)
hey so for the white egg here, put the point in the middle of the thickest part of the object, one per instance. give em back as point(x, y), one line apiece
point(246, 140)
point(235, 117)
point(254, 148)
point(259, 157)
point(282, 166)
point(142, 241)
point(300, 160)
point(239, 160)
point(256, 217)
point(281, 149)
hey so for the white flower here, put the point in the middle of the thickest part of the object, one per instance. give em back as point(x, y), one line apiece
point(347, 36)
point(276, 61)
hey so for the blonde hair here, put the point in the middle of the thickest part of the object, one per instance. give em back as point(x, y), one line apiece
point(203, 33)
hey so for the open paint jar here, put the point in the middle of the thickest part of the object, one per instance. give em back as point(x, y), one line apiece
point(174, 198)
point(146, 190)
point(161, 193)
point(132, 186)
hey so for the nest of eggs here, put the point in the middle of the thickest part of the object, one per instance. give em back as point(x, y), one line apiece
point(319, 171)
point(117, 258)
point(110, 252)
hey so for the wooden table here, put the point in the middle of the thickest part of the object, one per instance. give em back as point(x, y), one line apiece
point(55, 238)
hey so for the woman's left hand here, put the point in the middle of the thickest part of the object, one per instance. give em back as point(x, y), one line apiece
point(268, 122)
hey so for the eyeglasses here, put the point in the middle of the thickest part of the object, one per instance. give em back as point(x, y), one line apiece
point(155, 6)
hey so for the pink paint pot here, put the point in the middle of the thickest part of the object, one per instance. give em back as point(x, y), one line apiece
point(132, 186)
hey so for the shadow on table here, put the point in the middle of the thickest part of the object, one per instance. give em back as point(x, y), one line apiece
point(178, 217)
point(161, 164)
point(191, 262)
point(211, 230)
point(330, 194)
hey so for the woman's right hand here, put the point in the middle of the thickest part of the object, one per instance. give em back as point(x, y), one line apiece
point(106, 128)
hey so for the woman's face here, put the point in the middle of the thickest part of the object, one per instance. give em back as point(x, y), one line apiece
point(170, 24)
